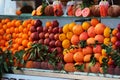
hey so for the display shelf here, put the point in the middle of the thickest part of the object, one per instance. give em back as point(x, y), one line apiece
point(65, 75)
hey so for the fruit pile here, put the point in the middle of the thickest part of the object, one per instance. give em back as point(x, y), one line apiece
point(91, 48)
point(88, 47)
point(15, 34)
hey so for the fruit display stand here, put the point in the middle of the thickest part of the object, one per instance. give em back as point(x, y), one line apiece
point(39, 74)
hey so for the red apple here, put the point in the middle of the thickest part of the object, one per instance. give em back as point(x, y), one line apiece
point(37, 23)
point(42, 35)
point(50, 30)
point(45, 29)
point(59, 49)
point(47, 41)
point(55, 30)
point(39, 29)
point(46, 35)
point(55, 23)
point(52, 43)
point(60, 29)
point(41, 41)
point(58, 43)
point(34, 36)
point(51, 36)
point(33, 29)
point(56, 36)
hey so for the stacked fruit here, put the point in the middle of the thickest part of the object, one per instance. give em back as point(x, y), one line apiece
point(15, 34)
point(48, 36)
point(90, 50)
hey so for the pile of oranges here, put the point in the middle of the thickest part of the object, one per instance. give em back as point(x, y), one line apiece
point(15, 34)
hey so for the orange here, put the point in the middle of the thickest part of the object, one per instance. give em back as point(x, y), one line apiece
point(20, 35)
point(24, 36)
point(71, 25)
point(113, 39)
point(114, 31)
point(8, 36)
point(1, 25)
point(65, 28)
point(9, 25)
point(20, 48)
point(11, 29)
point(20, 28)
point(2, 32)
point(18, 12)
point(87, 58)
point(19, 40)
point(7, 20)
point(25, 30)
point(29, 26)
point(68, 58)
point(85, 25)
point(25, 42)
point(94, 21)
point(29, 64)
point(15, 46)
point(16, 30)
point(69, 35)
point(8, 31)
point(48, 24)
point(17, 23)
point(13, 22)
point(25, 23)
point(2, 42)
point(29, 44)
point(62, 37)
point(4, 26)
point(78, 57)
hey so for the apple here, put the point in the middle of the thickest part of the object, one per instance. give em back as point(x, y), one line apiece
point(42, 35)
point(55, 23)
point(50, 30)
point(46, 35)
point(52, 43)
point(36, 65)
point(51, 36)
point(58, 43)
point(34, 36)
point(47, 41)
point(33, 29)
point(37, 23)
point(59, 49)
point(39, 29)
point(55, 30)
point(60, 29)
point(56, 36)
point(45, 29)
point(41, 41)
point(50, 66)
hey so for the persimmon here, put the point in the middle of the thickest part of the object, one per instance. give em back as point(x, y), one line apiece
point(97, 49)
point(87, 50)
point(75, 39)
point(78, 57)
point(95, 68)
point(87, 58)
point(69, 67)
point(94, 21)
point(68, 58)
point(99, 38)
point(91, 31)
point(99, 28)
